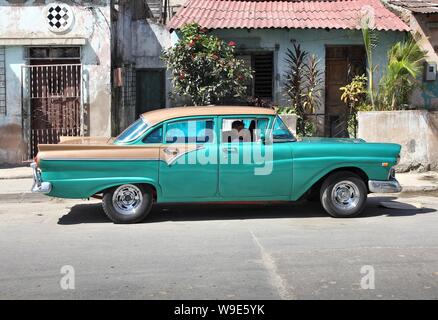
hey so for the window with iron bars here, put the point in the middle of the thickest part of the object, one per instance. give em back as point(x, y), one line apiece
point(53, 53)
point(262, 64)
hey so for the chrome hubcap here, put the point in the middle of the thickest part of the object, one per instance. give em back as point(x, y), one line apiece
point(126, 199)
point(345, 195)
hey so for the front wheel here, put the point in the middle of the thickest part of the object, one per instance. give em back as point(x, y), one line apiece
point(128, 203)
point(343, 195)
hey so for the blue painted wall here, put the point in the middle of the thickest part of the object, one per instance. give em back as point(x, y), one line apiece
point(311, 40)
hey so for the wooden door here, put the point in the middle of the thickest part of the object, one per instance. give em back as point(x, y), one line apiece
point(342, 64)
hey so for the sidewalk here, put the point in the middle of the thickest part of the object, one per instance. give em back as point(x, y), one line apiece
point(418, 182)
point(15, 173)
point(15, 183)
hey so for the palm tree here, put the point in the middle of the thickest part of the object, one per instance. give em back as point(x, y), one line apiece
point(303, 86)
point(370, 41)
point(405, 61)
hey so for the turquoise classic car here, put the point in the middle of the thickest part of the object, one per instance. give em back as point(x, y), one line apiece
point(214, 154)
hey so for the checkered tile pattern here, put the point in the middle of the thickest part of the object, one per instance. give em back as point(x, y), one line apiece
point(58, 17)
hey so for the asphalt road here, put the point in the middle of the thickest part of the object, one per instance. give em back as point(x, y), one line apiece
point(220, 252)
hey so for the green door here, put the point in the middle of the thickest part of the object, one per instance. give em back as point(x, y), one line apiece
point(249, 168)
point(189, 166)
point(150, 92)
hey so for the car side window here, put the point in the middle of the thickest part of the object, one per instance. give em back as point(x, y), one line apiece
point(190, 131)
point(156, 136)
point(243, 130)
point(280, 133)
point(262, 126)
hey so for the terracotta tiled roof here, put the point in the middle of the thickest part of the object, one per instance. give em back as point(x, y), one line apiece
point(418, 6)
point(257, 14)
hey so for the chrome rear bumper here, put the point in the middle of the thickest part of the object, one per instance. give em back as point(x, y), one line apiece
point(388, 186)
point(38, 185)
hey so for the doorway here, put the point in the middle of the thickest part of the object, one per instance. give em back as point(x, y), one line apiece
point(151, 90)
point(52, 84)
point(343, 63)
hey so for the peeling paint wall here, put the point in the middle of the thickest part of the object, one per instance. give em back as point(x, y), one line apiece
point(426, 26)
point(12, 146)
point(25, 25)
point(138, 43)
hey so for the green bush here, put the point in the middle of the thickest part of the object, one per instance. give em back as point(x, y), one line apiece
point(354, 95)
point(205, 68)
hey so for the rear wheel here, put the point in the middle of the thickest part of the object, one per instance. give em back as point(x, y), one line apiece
point(343, 195)
point(128, 203)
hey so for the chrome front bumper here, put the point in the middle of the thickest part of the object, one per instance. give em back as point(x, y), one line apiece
point(38, 185)
point(388, 186)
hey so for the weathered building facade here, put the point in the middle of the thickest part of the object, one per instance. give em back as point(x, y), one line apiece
point(140, 36)
point(264, 30)
point(422, 17)
point(78, 68)
point(55, 73)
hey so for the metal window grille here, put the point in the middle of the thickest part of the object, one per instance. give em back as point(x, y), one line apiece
point(2, 82)
point(52, 104)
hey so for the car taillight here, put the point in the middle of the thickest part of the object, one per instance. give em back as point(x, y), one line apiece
point(36, 160)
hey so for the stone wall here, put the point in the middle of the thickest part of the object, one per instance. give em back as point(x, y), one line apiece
point(416, 131)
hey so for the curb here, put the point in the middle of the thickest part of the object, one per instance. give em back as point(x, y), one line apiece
point(17, 177)
point(416, 189)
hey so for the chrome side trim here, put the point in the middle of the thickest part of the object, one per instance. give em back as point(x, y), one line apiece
point(101, 159)
point(388, 186)
point(174, 159)
point(38, 185)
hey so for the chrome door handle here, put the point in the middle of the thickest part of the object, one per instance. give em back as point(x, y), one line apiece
point(230, 150)
point(171, 151)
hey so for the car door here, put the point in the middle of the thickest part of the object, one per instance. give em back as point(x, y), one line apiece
point(252, 168)
point(189, 168)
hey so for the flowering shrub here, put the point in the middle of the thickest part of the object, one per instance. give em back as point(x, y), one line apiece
point(205, 68)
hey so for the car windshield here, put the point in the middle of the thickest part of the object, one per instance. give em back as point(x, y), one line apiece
point(134, 131)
